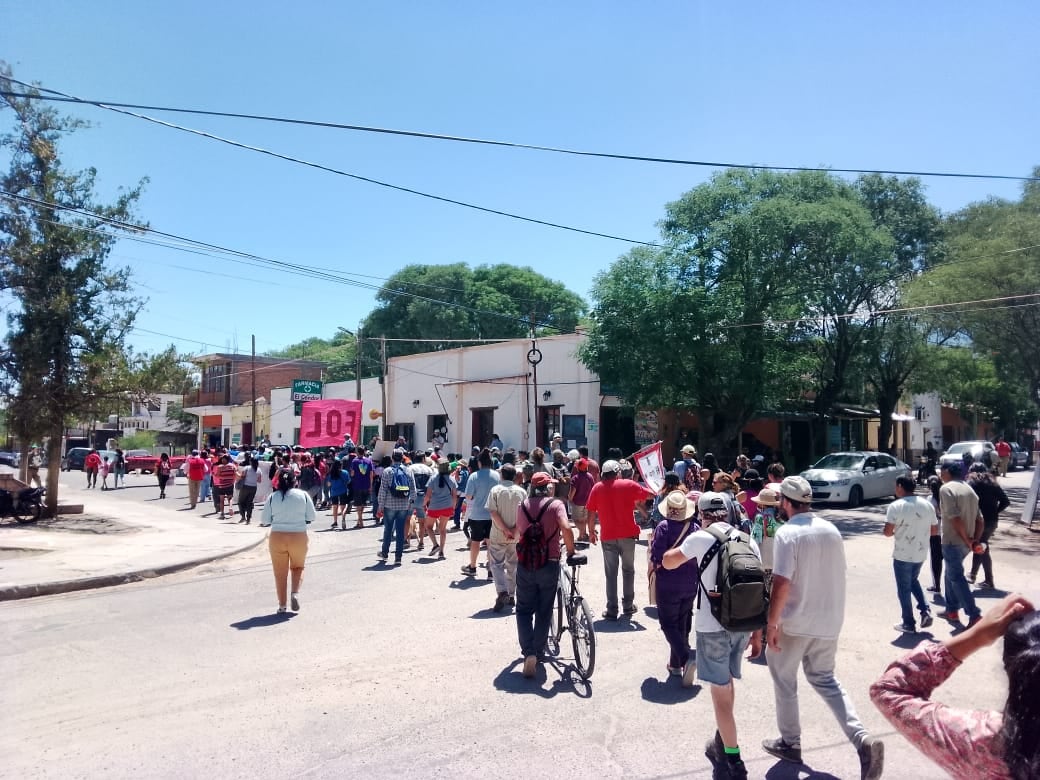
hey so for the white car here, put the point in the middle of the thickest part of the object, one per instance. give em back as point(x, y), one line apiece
point(981, 452)
point(852, 477)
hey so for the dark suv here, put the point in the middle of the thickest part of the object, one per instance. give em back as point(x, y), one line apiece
point(73, 460)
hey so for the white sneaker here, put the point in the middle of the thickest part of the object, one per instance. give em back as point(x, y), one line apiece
point(294, 602)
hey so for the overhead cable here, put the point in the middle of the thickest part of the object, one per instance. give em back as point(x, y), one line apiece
point(62, 97)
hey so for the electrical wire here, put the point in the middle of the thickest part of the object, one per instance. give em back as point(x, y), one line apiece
point(242, 257)
point(358, 177)
point(109, 104)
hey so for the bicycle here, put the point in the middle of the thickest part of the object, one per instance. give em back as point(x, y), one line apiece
point(24, 505)
point(570, 603)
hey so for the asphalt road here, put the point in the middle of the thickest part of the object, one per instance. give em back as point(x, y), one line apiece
point(407, 672)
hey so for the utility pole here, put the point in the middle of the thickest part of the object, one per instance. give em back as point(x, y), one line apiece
point(252, 394)
point(357, 367)
point(382, 380)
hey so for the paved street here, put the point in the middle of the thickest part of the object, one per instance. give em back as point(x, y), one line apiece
point(407, 672)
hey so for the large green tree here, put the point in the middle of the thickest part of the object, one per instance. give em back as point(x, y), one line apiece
point(711, 321)
point(71, 310)
point(338, 352)
point(453, 302)
point(987, 289)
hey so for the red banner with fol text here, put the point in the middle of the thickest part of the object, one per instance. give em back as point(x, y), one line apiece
point(326, 423)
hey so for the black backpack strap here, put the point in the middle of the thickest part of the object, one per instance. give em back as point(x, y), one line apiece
point(720, 538)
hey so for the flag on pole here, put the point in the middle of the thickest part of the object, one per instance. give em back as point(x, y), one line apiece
point(650, 463)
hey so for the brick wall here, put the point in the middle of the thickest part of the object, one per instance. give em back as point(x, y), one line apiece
point(267, 377)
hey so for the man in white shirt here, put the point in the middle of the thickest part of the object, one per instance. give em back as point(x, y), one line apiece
point(719, 651)
point(806, 611)
point(503, 501)
point(911, 520)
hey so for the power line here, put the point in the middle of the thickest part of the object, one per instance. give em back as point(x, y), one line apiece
point(357, 177)
point(108, 104)
point(299, 269)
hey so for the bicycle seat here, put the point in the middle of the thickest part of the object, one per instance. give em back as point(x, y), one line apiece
point(577, 559)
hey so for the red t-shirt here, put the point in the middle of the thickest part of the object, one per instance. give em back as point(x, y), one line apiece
point(614, 501)
point(550, 520)
point(1003, 449)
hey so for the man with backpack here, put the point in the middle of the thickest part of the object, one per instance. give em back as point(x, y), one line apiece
point(396, 496)
point(806, 612)
point(732, 606)
point(540, 522)
point(688, 469)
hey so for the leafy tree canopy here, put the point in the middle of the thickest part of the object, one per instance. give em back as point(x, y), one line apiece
point(986, 291)
point(452, 302)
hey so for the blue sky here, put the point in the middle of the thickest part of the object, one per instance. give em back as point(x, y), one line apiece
point(893, 85)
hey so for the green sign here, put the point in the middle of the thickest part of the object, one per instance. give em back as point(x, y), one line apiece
point(305, 390)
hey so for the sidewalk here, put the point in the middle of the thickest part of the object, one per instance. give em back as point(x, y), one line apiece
point(115, 540)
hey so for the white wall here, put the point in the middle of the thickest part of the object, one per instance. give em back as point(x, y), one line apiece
point(454, 382)
point(929, 427)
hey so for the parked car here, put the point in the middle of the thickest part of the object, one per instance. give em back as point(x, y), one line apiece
point(977, 448)
point(852, 477)
point(11, 459)
point(73, 460)
point(1020, 458)
point(146, 463)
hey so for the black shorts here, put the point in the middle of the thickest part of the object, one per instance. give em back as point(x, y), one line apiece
point(360, 497)
point(340, 500)
point(224, 491)
point(479, 530)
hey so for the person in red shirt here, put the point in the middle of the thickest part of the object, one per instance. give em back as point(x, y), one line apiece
point(1004, 455)
point(195, 467)
point(224, 475)
point(613, 501)
point(91, 464)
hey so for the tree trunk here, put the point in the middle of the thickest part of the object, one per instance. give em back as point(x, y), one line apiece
point(887, 398)
point(53, 469)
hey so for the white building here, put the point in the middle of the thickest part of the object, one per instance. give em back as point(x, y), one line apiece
point(522, 393)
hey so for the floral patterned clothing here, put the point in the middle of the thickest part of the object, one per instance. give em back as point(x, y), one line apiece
point(966, 743)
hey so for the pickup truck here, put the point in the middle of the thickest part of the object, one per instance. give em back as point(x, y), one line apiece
point(146, 463)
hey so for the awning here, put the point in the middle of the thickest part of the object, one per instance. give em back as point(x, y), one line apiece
point(902, 417)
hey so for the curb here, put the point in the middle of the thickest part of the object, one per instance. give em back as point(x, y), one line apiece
point(16, 592)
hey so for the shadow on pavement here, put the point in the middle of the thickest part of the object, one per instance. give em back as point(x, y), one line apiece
point(621, 625)
point(990, 593)
point(490, 614)
point(910, 641)
point(856, 526)
point(511, 680)
point(471, 582)
point(786, 770)
point(260, 621)
point(668, 692)
point(379, 566)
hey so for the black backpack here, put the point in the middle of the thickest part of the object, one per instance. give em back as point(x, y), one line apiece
point(532, 549)
point(308, 477)
point(740, 601)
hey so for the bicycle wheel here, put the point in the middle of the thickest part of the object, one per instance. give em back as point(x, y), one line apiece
point(25, 512)
point(552, 642)
point(584, 637)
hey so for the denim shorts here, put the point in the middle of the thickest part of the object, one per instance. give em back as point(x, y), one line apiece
point(719, 655)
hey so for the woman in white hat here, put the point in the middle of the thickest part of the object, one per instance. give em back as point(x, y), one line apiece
point(765, 525)
point(676, 588)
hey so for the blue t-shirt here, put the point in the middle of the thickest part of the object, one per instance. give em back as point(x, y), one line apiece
point(478, 488)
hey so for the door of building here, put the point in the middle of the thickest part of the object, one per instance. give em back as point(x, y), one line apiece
point(483, 426)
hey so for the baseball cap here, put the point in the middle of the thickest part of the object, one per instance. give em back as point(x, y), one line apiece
point(796, 489)
point(541, 479)
point(689, 449)
point(712, 502)
point(583, 464)
point(610, 467)
point(573, 455)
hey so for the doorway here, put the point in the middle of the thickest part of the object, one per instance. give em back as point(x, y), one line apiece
point(483, 426)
